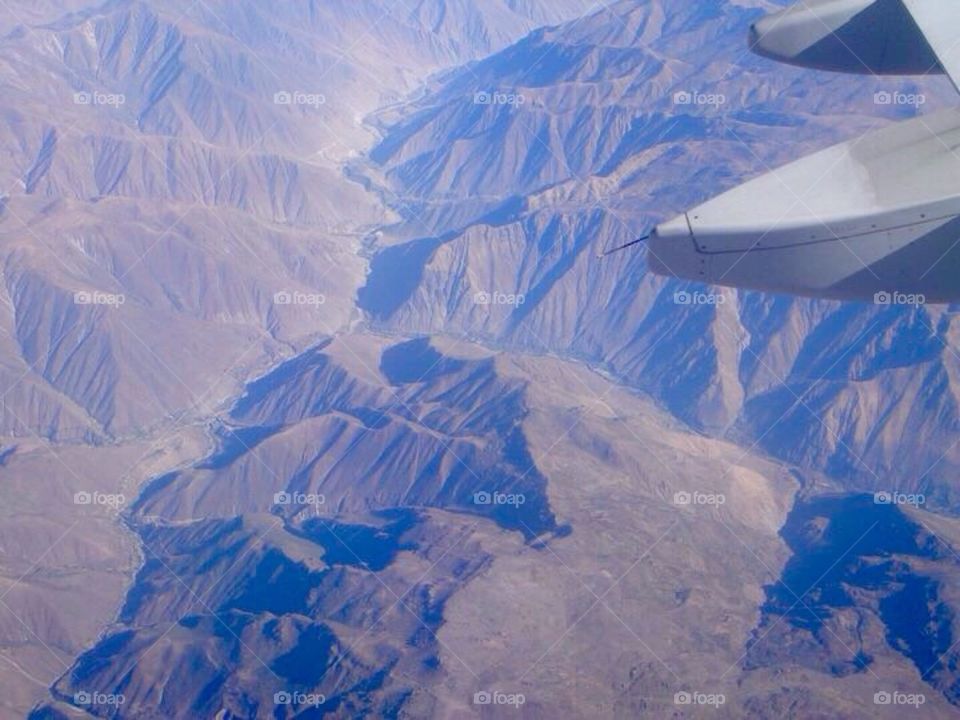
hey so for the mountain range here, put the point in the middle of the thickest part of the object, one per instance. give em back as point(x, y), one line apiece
point(318, 402)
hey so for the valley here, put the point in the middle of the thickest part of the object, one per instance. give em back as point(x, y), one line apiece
point(318, 403)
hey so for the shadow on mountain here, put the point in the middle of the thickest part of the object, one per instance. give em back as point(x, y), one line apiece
point(863, 574)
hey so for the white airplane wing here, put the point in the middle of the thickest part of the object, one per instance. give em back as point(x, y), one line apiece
point(874, 218)
point(939, 21)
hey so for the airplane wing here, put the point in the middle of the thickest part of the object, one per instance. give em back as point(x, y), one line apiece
point(939, 21)
point(869, 37)
point(871, 219)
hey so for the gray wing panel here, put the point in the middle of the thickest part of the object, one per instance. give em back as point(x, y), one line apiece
point(939, 21)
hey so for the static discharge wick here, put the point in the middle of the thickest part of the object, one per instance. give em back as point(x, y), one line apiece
point(605, 253)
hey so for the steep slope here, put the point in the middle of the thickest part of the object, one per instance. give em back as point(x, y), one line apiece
point(189, 175)
point(511, 173)
point(287, 543)
point(284, 575)
point(174, 221)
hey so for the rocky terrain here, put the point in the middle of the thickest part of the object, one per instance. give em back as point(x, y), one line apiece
point(318, 403)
